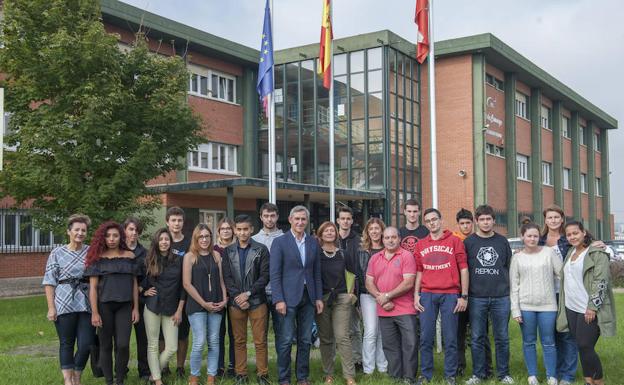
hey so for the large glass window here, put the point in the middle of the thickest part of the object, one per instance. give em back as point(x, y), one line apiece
point(212, 84)
point(213, 157)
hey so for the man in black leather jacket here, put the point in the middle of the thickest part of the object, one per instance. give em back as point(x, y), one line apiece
point(246, 274)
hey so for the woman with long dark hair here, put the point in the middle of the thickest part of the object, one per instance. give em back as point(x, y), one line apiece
point(164, 301)
point(533, 303)
point(372, 351)
point(68, 299)
point(202, 277)
point(586, 304)
point(114, 297)
point(338, 299)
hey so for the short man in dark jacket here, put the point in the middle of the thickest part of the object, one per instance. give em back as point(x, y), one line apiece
point(246, 274)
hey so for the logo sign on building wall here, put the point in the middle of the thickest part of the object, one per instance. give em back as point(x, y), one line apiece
point(491, 117)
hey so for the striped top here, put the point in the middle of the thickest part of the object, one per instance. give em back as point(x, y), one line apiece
point(64, 270)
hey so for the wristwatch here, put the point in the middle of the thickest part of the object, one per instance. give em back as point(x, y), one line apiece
point(464, 296)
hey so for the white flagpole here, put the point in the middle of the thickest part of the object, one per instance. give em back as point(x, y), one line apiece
point(1, 127)
point(332, 177)
point(432, 112)
point(272, 171)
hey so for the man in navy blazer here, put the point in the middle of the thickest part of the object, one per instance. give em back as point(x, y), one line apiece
point(295, 271)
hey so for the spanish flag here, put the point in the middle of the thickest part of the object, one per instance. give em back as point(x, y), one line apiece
point(324, 67)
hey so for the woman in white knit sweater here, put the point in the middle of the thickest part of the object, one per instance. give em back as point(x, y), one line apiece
point(533, 303)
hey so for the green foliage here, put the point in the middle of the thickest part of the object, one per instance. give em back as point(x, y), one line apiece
point(91, 123)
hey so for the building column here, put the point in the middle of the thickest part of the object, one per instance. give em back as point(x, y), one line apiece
point(306, 203)
point(557, 153)
point(591, 176)
point(605, 176)
point(576, 166)
point(478, 129)
point(510, 154)
point(247, 161)
point(536, 153)
point(229, 198)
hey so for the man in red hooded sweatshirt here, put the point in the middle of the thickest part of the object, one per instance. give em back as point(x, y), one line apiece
point(441, 288)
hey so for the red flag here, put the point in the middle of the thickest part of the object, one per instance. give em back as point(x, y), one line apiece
point(327, 35)
point(421, 18)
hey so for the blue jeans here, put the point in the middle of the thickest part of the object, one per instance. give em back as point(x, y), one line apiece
point(205, 327)
point(567, 355)
point(74, 329)
point(498, 309)
point(444, 304)
point(545, 322)
point(297, 321)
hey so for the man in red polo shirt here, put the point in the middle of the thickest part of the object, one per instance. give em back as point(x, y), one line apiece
point(390, 279)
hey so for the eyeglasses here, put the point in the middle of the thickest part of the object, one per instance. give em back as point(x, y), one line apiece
point(204, 237)
point(432, 220)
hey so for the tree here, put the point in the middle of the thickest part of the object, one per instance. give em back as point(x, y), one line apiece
point(91, 124)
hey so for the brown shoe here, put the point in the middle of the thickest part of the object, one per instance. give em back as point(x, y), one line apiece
point(193, 380)
point(210, 380)
point(350, 381)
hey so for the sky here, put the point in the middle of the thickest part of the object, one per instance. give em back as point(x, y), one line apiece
point(579, 42)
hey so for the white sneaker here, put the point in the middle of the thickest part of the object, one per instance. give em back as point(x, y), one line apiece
point(473, 380)
point(533, 380)
point(565, 382)
point(507, 380)
point(552, 381)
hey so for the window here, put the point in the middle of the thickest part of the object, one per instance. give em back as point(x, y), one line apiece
point(598, 187)
point(565, 127)
point(545, 117)
point(584, 183)
point(494, 82)
point(567, 176)
point(19, 234)
point(597, 146)
point(522, 165)
point(211, 218)
point(547, 173)
point(214, 157)
point(212, 84)
point(521, 105)
point(582, 140)
point(495, 150)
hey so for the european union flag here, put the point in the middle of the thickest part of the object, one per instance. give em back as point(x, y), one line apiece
point(265, 69)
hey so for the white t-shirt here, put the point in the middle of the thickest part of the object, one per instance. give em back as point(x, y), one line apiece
point(576, 297)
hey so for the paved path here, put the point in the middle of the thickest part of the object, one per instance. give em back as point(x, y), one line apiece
point(16, 287)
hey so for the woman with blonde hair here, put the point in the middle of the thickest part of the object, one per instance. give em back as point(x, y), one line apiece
point(203, 280)
point(338, 299)
point(372, 351)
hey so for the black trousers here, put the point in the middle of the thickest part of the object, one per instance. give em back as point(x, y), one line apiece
point(74, 329)
point(117, 326)
point(226, 319)
point(141, 343)
point(400, 337)
point(586, 336)
point(462, 333)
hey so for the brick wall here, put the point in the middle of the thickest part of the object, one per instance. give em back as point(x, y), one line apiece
point(15, 265)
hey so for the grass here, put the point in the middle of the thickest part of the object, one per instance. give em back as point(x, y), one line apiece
point(29, 351)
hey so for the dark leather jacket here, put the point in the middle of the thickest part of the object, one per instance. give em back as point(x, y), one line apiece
point(363, 256)
point(255, 277)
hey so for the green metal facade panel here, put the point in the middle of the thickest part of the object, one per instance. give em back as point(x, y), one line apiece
point(576, 165)
point(591, 175)
point(478, 129)
point(557, 153)
point(510, 154)
point(605, 180)
point(247, 155)
point(536, 152)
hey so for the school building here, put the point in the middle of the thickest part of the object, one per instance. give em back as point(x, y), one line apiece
point(509, 134)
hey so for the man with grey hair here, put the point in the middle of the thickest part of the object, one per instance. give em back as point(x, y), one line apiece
point(295, 271)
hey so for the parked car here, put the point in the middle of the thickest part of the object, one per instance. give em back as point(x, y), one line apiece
point(617, 249)
point(515, 244)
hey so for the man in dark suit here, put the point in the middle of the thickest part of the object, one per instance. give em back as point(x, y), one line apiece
point(295, 270)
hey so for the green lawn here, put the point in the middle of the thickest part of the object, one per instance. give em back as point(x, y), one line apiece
point(29, 350)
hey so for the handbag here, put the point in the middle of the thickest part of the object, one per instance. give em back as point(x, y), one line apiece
point(94, 360)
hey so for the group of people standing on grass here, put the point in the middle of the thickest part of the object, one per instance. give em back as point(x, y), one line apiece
point(395, 283)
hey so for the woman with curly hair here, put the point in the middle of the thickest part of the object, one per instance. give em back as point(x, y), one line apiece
point(202, 277)
point(68, 299)
point(586, 304)
point(164, 301)
point(114, 296)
